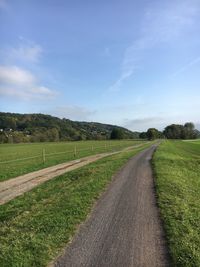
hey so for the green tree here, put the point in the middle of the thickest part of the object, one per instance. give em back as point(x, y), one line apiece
point(177, 131)
point(18, 137)
point(174, 131)
point(152, 134)
point(116, 134)
point(53, 135)
point(40, 127)
point(143, 135)
point(189, 131)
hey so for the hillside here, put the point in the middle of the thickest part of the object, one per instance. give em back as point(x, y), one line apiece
point(15, 128)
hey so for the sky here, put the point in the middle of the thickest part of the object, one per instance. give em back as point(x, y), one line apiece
point(131, 63)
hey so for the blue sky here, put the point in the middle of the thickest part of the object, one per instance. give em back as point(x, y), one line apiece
point(130, 63)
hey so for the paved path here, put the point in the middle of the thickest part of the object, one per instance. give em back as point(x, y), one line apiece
point(17, 186)
point(124, 229)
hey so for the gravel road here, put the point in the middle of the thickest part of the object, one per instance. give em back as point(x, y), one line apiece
point(17, 186)
point(124, 228)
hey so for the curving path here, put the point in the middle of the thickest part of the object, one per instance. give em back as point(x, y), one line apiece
point(124, 229)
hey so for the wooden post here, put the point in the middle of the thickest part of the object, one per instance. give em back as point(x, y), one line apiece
point(75, 151)
point(43, 155)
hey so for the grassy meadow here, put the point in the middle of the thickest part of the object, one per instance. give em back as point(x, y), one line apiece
point(36, 226)
point(177, 170)
point(55, 152)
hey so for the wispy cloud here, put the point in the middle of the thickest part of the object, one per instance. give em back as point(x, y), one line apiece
point(28, 93)
point(15, 75)
point(72, 112)
point(142, 124)
point(21, 83)
point(24, 51)
point(161, 24)
point(117, 85)
point(186, 67)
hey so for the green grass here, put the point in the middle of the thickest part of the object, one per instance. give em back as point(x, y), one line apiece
point(193, 140)
point(177, 171)
point(36, 226)
point(17, 151)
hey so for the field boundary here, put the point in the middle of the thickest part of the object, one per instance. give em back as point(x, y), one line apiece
point(44, 155)
point(19, 185)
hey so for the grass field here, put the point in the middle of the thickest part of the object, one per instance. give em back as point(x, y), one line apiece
point(55, 153)
point(196, 141)
point(34, 227)
point(177, 171)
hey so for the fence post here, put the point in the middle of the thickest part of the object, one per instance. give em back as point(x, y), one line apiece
point(43, 155)
point(75, 151)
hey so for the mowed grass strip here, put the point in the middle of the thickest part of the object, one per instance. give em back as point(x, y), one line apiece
point(177, 171)
point(34, 227)
point(65, 150)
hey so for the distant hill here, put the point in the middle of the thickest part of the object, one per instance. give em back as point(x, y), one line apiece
point(17, 128)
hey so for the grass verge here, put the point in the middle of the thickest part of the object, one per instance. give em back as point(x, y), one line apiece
point(34, 227)
point(177, 170)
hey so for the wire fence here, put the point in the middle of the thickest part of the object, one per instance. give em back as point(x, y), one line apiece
point(21, 159)
point(74, 152)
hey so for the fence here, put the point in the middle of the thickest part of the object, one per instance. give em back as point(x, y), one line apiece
point(74, 152)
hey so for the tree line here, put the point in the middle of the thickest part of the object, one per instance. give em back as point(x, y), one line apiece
point(17, 128)
point(173, 131)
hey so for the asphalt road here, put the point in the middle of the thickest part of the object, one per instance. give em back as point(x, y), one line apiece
point(124, 228)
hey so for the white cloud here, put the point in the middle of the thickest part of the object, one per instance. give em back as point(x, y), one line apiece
point(41, 90)
point(125, 75)
point(20, 83)
point(15, 75)
point(26, 52)
point(167, 21)
point(17, 81)
point(72, 112)
point(26, 93)
point(162, 23)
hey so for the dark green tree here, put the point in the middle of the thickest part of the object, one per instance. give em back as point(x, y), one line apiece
point(153, 134)
point(174, 131)
point(16, 127)
point(177, 131)
point(143, 135)
point(116, 134)
point(189, 130)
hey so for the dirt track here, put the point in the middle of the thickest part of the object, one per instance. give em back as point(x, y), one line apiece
point(124, 229)
point(17, 186)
